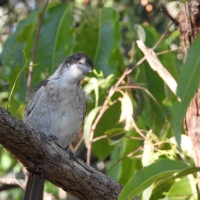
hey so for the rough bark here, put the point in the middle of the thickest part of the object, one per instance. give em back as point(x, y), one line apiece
point(192, 127)
point(189, 23)
point(189, 26)
point(44, 158)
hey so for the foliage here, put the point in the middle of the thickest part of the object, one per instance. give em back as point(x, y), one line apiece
point(132, 120)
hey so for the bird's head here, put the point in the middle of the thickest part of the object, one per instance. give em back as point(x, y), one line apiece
point(75, 67)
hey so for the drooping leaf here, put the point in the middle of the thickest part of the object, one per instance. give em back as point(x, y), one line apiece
point(126, 110)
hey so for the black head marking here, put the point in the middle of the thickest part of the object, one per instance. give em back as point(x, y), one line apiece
point(75, 58)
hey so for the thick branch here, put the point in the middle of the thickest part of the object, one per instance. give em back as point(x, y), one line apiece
point(45, 159)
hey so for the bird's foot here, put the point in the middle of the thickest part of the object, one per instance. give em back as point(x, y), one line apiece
point(72, 154)
point(53, 137)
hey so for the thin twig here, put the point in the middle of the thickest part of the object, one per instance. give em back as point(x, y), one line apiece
point(133, 138)
point(138, 130)
point(136, 65)
point(79, 143)
point(30, 73)
point(99, 138)
point(168, 51)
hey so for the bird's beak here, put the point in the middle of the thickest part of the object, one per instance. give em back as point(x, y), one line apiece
point(85, 68)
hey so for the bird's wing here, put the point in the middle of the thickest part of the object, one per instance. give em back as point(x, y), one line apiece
point(35, 96)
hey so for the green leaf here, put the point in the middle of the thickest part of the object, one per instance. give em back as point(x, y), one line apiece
point(100, 38)
point(148, 175)
point(189, 170)
point(187, 84)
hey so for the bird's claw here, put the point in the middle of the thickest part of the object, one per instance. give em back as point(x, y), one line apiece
point(53, 137)
point(72, 154)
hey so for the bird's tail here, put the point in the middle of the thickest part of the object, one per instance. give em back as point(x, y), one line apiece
point(34, 188)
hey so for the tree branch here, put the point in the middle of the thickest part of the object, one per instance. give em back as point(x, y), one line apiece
point(46, 159)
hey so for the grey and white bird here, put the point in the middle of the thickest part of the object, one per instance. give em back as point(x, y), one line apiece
point(58, 107)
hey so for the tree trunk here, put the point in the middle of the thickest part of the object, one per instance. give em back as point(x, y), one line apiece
point(189, 26)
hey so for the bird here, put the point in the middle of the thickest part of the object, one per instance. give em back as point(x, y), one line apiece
point(58, 107)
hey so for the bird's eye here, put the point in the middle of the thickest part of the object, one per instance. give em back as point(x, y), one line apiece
point(77, 57)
